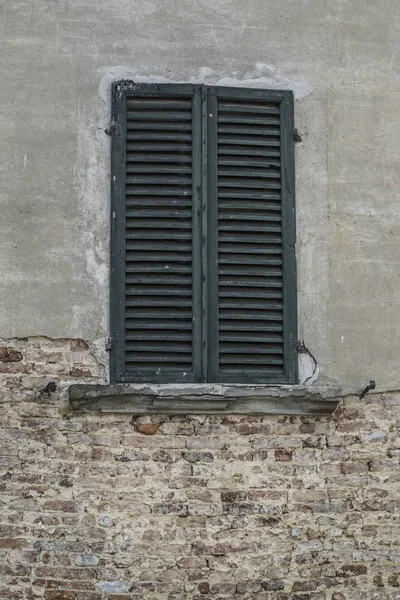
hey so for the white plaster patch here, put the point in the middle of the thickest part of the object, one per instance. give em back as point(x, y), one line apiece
point(98, 350)
point(269, 77)
point(308, 369)
point(261, 76)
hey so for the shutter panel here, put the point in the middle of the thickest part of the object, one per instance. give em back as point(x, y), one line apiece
point(157, 330)
point(252, 299)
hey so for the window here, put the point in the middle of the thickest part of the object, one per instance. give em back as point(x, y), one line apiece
point(203, 275)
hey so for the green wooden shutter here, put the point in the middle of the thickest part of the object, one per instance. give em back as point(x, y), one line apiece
point(203, 276)
point(251, 237)
point(156, 262)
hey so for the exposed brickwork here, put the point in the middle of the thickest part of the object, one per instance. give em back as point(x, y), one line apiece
point(203, 508)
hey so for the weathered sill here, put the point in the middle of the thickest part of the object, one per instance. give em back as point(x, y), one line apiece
point(206, 399)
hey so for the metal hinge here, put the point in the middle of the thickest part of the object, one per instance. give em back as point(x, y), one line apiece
point(109, 344)
point(371, 386)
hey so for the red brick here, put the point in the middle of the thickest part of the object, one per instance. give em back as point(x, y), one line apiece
point(146, 428)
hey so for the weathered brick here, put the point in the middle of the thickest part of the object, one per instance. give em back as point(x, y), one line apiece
point(239, 508)
point(354, 467)
point(168, 508)
point(248, 587)
point(393, 580)
point(233, 496)
point(341, 441)
point(273, 585)
point(113, 587)
point(59, 595)
point(204, 587)
point(177, 428)
point(253, 428)
point(256, 495)
point(304, 586)
point(59, 573)
point(307, 427)
point(374, 436)
point(314, 442)
point(194, 457)
point(61, 505)
point(16, 367)
point(146, 428)
point(277, 442)
point(309, 495)
point(13, 542)
point(86, 560)
point(10, 355)
point(283, 455)
point(80, 371)
point(352, 570)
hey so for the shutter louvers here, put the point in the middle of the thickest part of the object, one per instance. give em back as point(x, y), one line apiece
point(252, 342)
point(159, 249)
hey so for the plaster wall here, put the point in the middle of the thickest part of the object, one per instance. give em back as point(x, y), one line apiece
point(58, 58)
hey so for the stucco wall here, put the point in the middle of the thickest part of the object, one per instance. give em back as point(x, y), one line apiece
point(341, 58)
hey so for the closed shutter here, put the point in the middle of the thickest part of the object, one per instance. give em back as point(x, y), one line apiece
point(155, 262)
point(203, 276)
point(252, 300)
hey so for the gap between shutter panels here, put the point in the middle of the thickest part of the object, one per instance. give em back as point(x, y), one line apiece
point(250, 276)
point(159, 247)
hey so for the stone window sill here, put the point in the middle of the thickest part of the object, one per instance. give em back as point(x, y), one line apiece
point(204, 399)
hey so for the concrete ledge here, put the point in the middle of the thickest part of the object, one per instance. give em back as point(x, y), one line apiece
point(210, 399)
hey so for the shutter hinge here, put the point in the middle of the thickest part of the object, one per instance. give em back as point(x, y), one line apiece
point(110, 129)
point(297, 136)
point(109, 345)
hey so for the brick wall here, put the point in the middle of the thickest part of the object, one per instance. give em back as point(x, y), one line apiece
point(205, 508)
